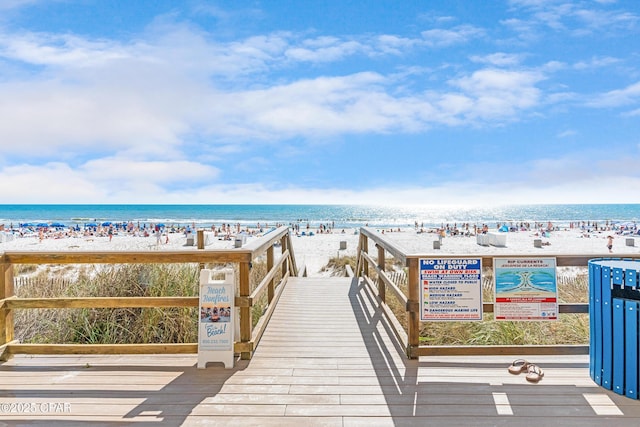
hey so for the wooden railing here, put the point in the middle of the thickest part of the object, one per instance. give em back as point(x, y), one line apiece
point(244, 301)
point(410, 336)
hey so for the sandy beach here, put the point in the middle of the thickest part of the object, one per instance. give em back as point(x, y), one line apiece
point(315, 250)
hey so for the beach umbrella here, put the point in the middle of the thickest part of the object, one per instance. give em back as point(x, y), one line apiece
point(106, 224)
point(26, 224)
point(42, 224)
point(91, 224)
point(160, 225)
point(57, 225)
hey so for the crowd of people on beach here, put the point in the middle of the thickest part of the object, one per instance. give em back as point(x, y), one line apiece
point(227, 231)
point(160, 231)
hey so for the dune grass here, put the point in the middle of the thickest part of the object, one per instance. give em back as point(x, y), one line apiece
point(115, 326)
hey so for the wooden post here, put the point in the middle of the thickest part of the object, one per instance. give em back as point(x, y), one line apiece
point(358, 256)
point(245, 312)
point(6, 291)
point(200, 239)
point(381, 286)
point(201, 244)
point(270, 288)
point(413, 317)
point(293, 267)
point(365, 248)
point(284, 246)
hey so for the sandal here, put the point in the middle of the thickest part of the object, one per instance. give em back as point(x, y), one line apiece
point(534, 373)
point(518, 366)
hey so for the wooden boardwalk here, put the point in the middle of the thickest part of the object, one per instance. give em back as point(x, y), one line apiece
point(326, 359)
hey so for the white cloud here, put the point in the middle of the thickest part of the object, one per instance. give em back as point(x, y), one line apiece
point(447, 37)
point(395, 45)
point(633, 113)
point(46, 117)
point(596, 62)
point(499, 59)
point(50, 183)
point(59, 50)
point(326, 49)
point(500, 93)
point(116, 169)
point(107, 180)
point(576, 18)
point(618, 97)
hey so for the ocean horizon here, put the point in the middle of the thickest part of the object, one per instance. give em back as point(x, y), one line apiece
point(339, 216)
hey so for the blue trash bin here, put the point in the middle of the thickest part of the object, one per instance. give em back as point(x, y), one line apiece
point(614, 302)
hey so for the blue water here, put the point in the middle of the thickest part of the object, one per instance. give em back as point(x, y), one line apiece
point(343, 216)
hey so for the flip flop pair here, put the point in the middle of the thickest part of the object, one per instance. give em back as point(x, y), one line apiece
point(534, 373)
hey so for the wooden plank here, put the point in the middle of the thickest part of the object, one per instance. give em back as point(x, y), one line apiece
point(512, 350)
point(101, 302)
point(413, 317)
point(129, 257)
point(245, 312)
point(268, 278)
point(258, 331)
point(169, 348)
point(6, 292)
point(259, 246)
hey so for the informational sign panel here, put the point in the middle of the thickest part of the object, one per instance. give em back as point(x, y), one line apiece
point(451, 289)
point(525, 289)
point(216, 318)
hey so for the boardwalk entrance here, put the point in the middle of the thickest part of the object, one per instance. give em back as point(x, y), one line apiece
point(327, 358)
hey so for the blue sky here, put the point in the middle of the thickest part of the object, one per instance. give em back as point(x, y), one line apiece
point(327, 101)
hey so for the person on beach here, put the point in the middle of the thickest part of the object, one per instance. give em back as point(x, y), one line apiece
point(610, 243)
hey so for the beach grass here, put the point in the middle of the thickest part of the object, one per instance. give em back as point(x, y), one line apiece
point(120, 325)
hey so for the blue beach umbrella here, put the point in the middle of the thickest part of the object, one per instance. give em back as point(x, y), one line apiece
point(57, 225)
point(42, 224)
point(106, 223)
point(26, 224)
point(91, 224)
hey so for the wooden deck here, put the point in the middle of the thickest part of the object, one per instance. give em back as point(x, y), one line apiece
point(326, 359)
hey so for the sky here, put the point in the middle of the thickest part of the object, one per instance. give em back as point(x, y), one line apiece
point(386, 102)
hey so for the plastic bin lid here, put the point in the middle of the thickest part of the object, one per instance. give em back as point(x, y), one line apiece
point(626, 264)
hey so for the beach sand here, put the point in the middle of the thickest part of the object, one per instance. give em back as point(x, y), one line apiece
point(315, 251)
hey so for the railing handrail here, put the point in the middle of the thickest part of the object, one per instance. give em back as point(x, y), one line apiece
point(394, 249)
point(411, 260)
point(243, 256)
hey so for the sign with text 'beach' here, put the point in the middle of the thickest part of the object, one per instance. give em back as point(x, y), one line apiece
point(525, 289)
point(451, 289)
point(216, 315)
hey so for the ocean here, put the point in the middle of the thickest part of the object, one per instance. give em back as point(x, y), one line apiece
point(340, 216)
